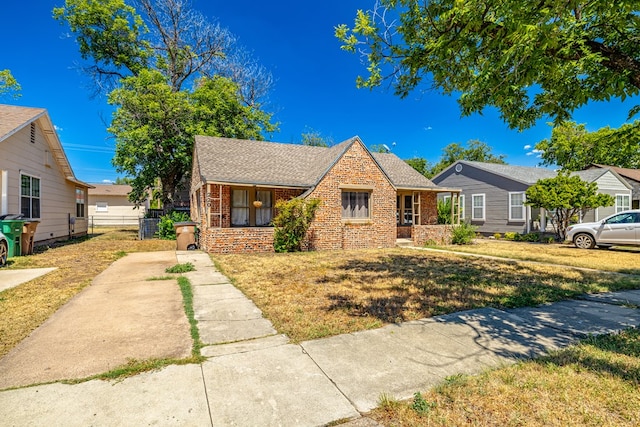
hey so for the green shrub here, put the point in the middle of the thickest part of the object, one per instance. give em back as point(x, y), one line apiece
point(166, 231)
point(531, 237)
point(444, 211)
point(497, 236)
point(292, 222)
point(463, 234)
point(511, 235)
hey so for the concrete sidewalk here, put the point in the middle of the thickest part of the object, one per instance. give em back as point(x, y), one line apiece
point(253, 376)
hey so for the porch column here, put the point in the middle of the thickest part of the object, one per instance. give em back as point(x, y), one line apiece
point(543, 220)
point(453, 204)
point(528, 217)
point(459, 209)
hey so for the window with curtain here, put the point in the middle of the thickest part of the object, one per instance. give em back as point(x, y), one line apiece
point(240, 207)
point(355, 204)
point(516, 206)
point(264, 213)
point(30, 196)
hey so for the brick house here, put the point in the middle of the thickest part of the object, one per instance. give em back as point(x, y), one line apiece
point(369, 200)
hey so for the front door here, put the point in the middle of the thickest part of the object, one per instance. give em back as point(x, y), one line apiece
point(404, 215)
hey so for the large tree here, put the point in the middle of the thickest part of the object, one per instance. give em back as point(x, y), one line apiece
point(573, 147)
point(527, 59)
point(161, 63)
point(476, 151)
point(565, 197)
point(154, 127)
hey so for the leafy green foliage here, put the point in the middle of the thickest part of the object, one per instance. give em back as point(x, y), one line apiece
point(155, 128)
point(564, 196)
point(292, 223)
point(444, 211)
point(420, 164)
point(527, 59)
point(315, 139)
point(9, 86)
point(166, 230)
point(475, 151)
point(420, 405)
point(171, 74)
point(180, 268)
point(574, 148)
point(463, 234)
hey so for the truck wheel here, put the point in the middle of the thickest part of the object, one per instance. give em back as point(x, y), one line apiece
point(584, 241)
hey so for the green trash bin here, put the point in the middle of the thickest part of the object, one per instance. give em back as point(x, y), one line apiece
point(12, 229)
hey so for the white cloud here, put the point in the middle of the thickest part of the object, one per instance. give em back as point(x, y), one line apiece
point(107, 181)
point(529, 153)
point(527, 147)
point(57, 128)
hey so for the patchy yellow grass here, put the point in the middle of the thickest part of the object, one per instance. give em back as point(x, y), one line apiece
point(24, 308)
point(595, 383)
point(317, 294)
point(619, 259)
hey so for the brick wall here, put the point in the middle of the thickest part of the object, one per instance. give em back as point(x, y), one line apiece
point(428, 208)
point(329, 231)
point(441, 234)
point(237, 240)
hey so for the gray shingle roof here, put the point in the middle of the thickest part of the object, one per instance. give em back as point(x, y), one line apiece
point(13, 118)
point(524, 174)
point(239, 161)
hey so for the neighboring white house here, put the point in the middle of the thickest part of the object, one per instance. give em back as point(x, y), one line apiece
point(36, 179)
point(109, 205)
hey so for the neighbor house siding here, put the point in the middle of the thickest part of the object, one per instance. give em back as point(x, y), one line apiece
point(496, 190)
point(57, 194)
point(609, 184)
point(354, 169)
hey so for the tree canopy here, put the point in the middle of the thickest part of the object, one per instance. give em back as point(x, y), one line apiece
point(574, 148)
point(475, 151)
point(315, 138)
point(565, 197)
point(527, 59)
point(171, 74)
point(9, 86)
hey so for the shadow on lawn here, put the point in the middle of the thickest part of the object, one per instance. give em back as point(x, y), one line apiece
point(395, 288)
point(605, 358)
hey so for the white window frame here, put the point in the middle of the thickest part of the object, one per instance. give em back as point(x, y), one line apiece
point(473, 207)
point(623, 207)
point(31, 197)
point(521, 206)
point(461, 201)
point(102, 207)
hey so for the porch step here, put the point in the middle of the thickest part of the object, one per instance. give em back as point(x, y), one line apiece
point(404, 242)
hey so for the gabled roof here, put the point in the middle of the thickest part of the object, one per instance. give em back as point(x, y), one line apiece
point(14, 118)
point(633, 174)
point(110, 190)
point(523, 174)
point(530, 175)
point(244, 162)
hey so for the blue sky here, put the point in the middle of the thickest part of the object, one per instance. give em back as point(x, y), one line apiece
point(314, 86)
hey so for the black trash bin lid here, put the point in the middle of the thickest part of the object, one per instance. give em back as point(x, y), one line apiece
point(11, 216)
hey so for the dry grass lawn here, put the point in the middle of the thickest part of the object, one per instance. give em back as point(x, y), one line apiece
point(595, 383)
point(318, 294)
point(24, 308)
point(619, 259)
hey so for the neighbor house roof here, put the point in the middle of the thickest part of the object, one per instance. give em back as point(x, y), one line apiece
point(14, 118)
point(236, 161)
point(633, 174)
point(110, 190)
point(524, 174)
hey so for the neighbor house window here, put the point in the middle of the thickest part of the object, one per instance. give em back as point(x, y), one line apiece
point(516, 206)
point(30, 196)
point(623, 202)
point(477, 207)
point(251, 207)
point(102, 207)
point(80, 203)
point(355, 204)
